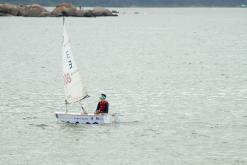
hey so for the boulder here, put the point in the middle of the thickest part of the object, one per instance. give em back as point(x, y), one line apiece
point(88, 13)
point(3, 14)
point(64, 9)
point(35, 10)
point(79, 13)
point(10, 9)
point(100, 11)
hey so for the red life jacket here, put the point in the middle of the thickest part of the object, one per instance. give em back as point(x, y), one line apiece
point(102, 106)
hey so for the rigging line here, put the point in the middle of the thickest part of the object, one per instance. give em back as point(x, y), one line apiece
point(84, 111)
point(87, 96)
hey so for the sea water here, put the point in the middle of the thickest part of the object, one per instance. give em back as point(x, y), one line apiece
point(177, 77)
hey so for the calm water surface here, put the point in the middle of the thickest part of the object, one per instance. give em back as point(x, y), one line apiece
point(177, 76)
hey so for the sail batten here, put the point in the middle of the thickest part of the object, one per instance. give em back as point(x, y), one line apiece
point(73, 87)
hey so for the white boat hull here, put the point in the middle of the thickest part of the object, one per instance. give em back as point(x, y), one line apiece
point(78, 118)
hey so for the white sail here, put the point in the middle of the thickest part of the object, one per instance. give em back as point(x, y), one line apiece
point(74, 89)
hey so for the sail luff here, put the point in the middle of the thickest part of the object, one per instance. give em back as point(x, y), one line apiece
point(73, 87)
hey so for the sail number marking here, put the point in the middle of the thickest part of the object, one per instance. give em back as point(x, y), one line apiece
point(68, 58)
point(67, 79)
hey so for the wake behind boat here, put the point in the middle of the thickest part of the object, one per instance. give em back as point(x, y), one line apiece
point(75, 90)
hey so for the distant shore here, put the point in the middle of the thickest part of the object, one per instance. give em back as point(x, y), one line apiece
point(64, 9)
point(136, 3)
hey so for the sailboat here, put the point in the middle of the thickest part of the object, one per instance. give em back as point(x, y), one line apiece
point(75, 90)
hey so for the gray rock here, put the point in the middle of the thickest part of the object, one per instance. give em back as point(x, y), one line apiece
point(3, 14)
point(10, 9)
point(35, 10)
point(88, 13)
point(65, 9)
point(100, 11)
point(79, 13)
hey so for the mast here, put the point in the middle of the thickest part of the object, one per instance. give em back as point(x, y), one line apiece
point(65, 101)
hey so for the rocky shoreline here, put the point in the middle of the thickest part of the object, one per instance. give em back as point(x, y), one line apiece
point(64, 9)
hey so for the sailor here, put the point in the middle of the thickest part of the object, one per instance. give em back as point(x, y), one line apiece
point(103, 105)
